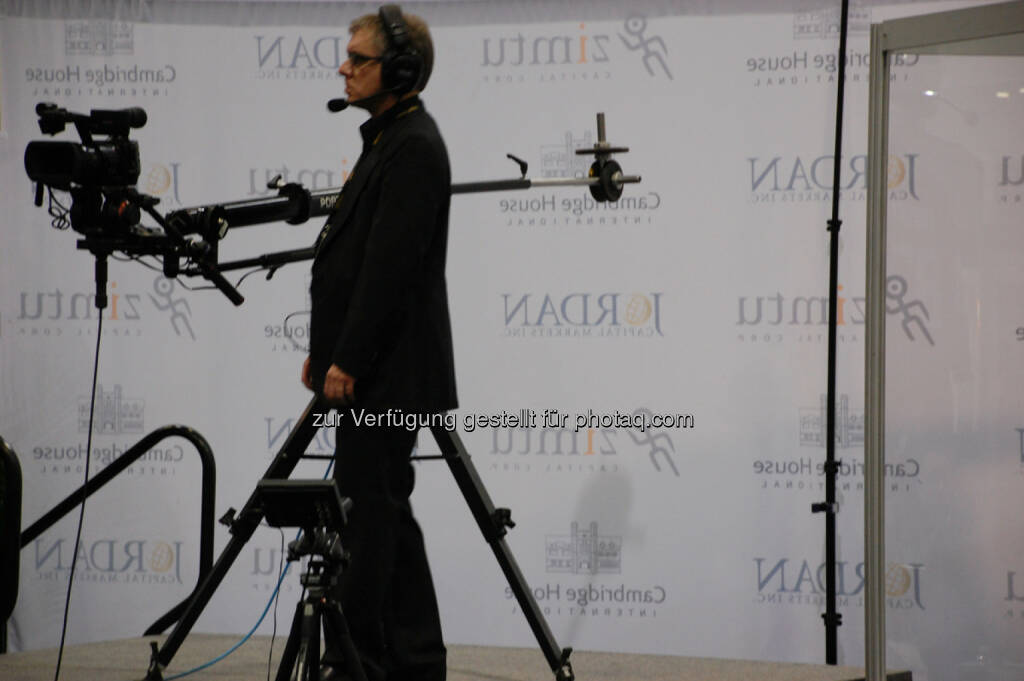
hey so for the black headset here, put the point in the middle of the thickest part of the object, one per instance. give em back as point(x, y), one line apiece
point(401, 65)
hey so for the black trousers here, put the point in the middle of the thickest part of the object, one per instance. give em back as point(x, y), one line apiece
point(386, 593)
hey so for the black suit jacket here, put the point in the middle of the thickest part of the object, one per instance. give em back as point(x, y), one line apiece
point(379, 297)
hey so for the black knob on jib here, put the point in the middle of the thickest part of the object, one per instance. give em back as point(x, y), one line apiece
point(608, 187)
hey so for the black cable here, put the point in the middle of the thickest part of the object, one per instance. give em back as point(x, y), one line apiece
point(277, 598)
point(57, 211)
point(832, 618)
point(247, 274)
point(81, 509)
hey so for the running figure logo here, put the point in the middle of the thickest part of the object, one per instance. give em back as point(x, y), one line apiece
point(895, 290)
point(164, 288)
point(661, 444)
point(654, 48)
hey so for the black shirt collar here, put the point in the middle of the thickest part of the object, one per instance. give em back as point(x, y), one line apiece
point(372, 128)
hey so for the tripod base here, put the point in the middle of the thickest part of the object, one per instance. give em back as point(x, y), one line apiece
point(493, 524)
point(301, 658)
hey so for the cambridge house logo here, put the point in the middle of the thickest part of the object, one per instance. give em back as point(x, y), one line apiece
point(561, 160)
point(826, 23)
point(849, 424)
point(115, 414)
point(583, 552)
point(98, 38)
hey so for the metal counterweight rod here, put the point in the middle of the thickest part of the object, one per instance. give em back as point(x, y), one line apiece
point(526, 183)
point(321, 201)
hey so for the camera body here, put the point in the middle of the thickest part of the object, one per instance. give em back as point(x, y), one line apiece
point(113, 162)
point(100, 172)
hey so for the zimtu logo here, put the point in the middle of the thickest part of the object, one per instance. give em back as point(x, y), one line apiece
point(568, 49)
point(574, 54)
point(772, 314)
point(59, 312)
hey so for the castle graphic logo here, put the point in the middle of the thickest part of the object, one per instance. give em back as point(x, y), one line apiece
point(826, 23)
point(561, 160)
point(849, 424)
point(115, 414)
point(583, 552)
point(99, 38)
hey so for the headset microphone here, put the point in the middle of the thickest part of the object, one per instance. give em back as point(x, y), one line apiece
point(340, 103)
point(336, 105)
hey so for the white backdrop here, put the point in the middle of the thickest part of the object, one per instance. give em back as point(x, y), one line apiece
point(702, 292)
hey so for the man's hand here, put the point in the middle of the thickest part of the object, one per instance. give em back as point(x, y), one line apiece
point(339, 387)
point(307, 376)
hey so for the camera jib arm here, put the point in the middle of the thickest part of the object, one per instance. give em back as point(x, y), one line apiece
point(295, 204)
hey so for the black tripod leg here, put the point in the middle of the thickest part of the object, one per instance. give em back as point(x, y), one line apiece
point(308, 667)
point(492, 523)
point(241, 530)
point(336, 623)
point(291, 648)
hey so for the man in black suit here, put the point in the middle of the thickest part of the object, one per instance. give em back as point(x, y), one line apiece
point(380, 340)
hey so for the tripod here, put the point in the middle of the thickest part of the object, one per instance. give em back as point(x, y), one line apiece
point(301, 658)
point(493, 524)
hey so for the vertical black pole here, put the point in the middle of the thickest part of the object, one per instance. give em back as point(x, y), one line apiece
point(831, 617)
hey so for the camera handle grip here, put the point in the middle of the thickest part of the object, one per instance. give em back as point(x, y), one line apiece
point(209, 271)
point(214, 275)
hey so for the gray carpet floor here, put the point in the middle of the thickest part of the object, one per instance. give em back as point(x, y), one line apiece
point(128, 659)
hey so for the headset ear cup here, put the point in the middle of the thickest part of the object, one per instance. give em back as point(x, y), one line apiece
point(401, 72)
point(401, 65)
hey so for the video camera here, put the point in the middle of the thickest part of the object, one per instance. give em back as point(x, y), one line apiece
point(99, 173)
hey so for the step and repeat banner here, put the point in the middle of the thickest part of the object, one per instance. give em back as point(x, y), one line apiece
point(642, 382)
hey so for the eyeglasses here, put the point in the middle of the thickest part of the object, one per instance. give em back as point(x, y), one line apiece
point(358, 60)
